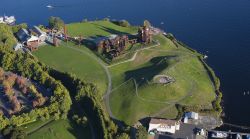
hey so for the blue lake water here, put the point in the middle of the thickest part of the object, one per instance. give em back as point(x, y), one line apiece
point(218, 28)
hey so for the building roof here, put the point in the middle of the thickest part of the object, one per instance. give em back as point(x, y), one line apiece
point(33, 38)
point(38, 31)
point(192, 115)
point(112, 36)
point(163, 121)
point(99, 39)
point(23, 35)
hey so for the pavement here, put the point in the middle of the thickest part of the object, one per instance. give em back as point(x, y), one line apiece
point(187, 131)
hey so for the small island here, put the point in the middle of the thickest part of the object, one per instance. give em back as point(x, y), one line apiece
point(116, 75)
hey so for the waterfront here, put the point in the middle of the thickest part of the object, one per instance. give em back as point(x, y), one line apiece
point(220, 29)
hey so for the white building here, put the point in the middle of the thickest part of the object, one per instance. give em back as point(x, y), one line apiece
point(192, 115)
point(10, 20)
point(163, 126)
point(40, 34)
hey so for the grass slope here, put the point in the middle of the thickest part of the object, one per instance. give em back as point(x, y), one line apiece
point(69, 60)
point(192, 86)
point(98, 28)
point(61, 129)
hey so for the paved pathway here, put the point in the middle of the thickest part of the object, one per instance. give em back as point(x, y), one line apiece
point(108, 91)
point(134, 56)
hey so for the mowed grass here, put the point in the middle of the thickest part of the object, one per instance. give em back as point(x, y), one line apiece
point(128, 107)
point(98, 28)
point(69, 60)
point(192, 84)
point(60, 129)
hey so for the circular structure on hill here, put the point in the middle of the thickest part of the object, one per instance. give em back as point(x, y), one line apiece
point(163, 79)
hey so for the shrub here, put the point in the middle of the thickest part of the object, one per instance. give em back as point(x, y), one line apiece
point(123, 23)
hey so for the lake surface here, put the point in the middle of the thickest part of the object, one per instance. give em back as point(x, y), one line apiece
point(218, 28)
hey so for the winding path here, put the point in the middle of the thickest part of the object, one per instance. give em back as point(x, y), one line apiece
point(134, 56)
point(109, 88)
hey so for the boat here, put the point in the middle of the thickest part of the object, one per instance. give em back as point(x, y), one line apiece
point(162, 23)
point(205, 57)
point(49, 6)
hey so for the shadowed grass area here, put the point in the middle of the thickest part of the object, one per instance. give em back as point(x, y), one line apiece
point(60, 129)
point(192, 84)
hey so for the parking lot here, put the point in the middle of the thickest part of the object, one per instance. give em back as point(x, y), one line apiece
point(187, 131)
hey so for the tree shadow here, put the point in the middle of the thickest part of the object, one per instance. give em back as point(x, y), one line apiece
point(77, 131)
point(145, 74)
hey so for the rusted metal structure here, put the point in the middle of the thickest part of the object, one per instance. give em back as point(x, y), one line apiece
point(113, 45)
point(144, 35)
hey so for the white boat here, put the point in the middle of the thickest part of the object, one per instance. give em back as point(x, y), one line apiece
point(49, 6)
point(205, 56)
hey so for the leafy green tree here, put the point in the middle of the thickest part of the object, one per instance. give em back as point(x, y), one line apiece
point(146, 23)
point(56, 23)
point(16, 28)
point(124, 23)
point(122, 136)
point(141, 133)
point(7, 38)
point(14, 133)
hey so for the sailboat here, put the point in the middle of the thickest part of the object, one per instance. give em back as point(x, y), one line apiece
point(205, 57)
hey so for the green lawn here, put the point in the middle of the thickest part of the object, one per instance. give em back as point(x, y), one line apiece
point(192, 86)
point(69, 60)
point(61, 129)
point(98, 28)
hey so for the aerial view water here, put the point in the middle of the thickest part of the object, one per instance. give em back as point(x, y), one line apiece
point(217, 28)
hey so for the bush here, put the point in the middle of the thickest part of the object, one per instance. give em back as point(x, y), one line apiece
point(123, 23)
point(146, 23)
point(84, 20)
point(141, 133)
point(106, 19)
point(56, 23)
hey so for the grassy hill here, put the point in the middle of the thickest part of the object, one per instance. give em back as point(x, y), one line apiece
point(135, 95)
point(140, 97)
point(69, 60)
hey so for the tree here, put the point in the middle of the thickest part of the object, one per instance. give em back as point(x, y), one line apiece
point(7, 38)
point(16, 28)
point(124, 23)
point(141, 133)
point(146, 23)
point(122, 136)
point(14, 133)
point(56, 23)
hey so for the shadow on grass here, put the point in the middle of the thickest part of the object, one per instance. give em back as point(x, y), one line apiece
point(145, 74)
point(78, 131)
